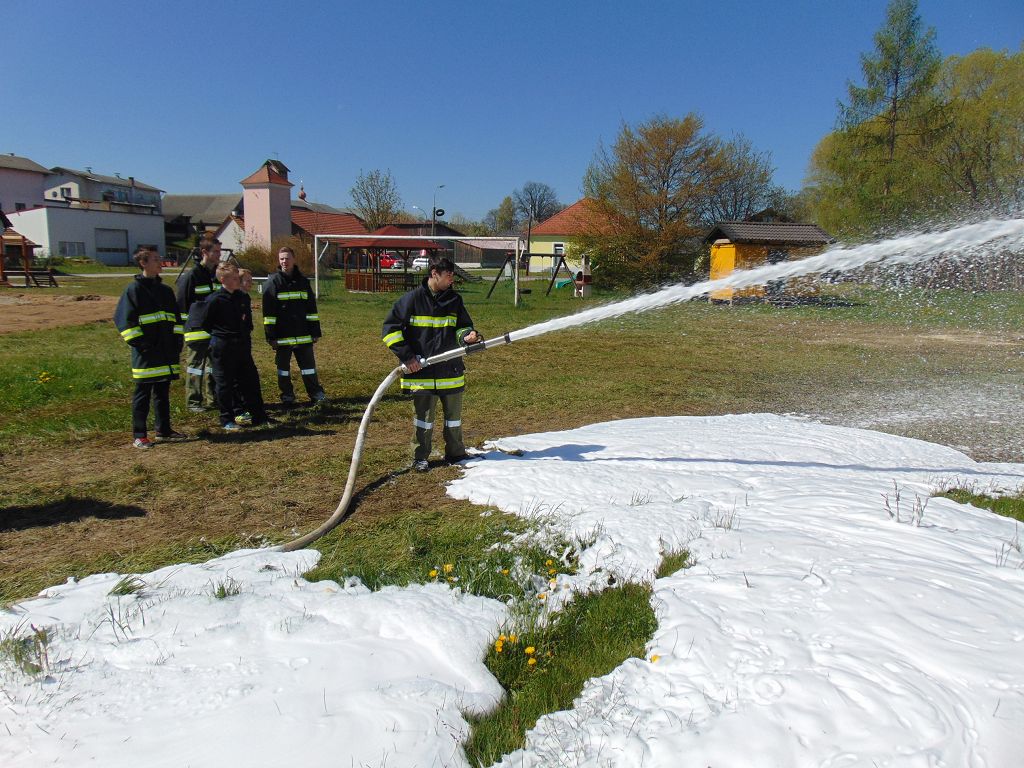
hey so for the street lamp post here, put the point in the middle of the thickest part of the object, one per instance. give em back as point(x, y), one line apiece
point(433, 210)
point(423, 213)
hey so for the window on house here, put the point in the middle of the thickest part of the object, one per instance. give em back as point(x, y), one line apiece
point(559, 249)
point(70, 249)
point(65, 192)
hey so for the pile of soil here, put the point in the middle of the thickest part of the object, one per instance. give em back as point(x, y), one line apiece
point(33, 312)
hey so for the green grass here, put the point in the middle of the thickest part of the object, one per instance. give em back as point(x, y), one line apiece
point(544, 667)
point(1008, 506)
point(26, 650)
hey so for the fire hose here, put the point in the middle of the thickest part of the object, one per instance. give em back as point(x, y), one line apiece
point(357, 451)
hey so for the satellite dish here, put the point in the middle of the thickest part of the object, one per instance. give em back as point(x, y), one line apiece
point(439, 212)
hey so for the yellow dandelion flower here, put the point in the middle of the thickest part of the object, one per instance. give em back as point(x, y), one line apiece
point(549, 562)
point(529, 650)
point(552, 571)
point(541, 596)
point(433, 573)
point(531, 662)
point(502, 638)
point(448, 567)
point(498, 647)
point(655, 658)
point(513, 638)
point(504, 571)
point(549, 654)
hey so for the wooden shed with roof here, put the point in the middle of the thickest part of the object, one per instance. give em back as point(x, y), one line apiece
point(760, 240)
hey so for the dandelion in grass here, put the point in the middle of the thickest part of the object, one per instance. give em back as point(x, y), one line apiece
point(448, 567)
point(532, 662)
point(504, 571)
point(529, 650)
point(513, 639)
point(542, 596)
point(549, 562)
point(433, 573)
point(654, 658)
point(552, 571)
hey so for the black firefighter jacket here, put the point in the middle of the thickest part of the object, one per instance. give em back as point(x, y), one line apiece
point(290, 316)
point(198, 284)
point(148, 319)
point(424, 324)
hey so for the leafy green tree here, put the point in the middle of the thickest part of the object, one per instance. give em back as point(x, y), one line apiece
point(650, 190)
point(871, 173)
point(375, 197)
point(503, 219)
point(980, 157)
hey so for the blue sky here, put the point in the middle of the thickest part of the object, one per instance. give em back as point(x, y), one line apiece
point(479, 96)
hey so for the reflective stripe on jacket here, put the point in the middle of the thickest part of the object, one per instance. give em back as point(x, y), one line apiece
point(424, 324)
point(290, 315)
point(147, 317)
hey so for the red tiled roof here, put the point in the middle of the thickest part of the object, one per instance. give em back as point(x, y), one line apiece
point(318, 223)
point(266, 175)
point(581, 217)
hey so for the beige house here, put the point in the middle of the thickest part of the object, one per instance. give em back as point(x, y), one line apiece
point(554, 236)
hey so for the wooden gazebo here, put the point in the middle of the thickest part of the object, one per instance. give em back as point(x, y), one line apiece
point(360, 260)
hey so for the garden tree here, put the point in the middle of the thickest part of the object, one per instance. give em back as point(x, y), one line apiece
point(468, 227)
point(869, 172)
point(376, 199)
point(650, 191)
point(742, 185)
point(979, 158)
point(536, 201)
point(502, 220)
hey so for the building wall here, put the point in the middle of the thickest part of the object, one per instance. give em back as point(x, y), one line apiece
point(231, 236)
point(727, 257)
point(20, 188)
point(85, 189)
point(544, 252)
point(268, 214)
point(50, 226)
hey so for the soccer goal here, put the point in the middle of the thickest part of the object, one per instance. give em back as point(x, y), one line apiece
point(378, 263)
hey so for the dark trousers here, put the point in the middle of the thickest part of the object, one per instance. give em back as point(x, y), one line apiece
point(307, 369)
point(234, 370)
point(425, 407)
point(160, 392)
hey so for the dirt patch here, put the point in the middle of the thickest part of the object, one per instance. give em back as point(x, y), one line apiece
point(873, 339)
point(33, 312)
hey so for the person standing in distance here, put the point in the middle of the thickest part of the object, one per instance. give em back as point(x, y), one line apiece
point(292, 326)
point(427, 321)
point(199, 284)
point(148, 319)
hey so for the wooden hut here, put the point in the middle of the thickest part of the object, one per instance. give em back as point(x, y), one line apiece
point(753, 243)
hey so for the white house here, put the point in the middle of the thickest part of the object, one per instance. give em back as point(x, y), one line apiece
point(80, 213)
point(107, 236)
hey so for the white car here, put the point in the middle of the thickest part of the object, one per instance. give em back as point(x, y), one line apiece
point(420, 262)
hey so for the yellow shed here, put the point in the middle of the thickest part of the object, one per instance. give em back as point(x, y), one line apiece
point(753, 243)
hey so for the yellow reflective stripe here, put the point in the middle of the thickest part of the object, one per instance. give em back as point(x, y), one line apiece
point(196, 335)
point(175, 368)
point(131, 333)
point(393, 338)
point(179, 329)
point(153, 317)
point(293, 340)
point(204, 288)
point(313, 318)
point(418, 384)
point(426, 321)
point(292, 295)
point(270, 320)
point(150, 373)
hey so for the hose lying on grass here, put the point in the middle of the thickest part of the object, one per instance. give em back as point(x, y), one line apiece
point(357, 452)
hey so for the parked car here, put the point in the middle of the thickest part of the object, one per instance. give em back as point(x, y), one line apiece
point(391, 261)
point(420, 262)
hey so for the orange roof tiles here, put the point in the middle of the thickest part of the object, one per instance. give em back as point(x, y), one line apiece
point(317, 223)
point(580, 217)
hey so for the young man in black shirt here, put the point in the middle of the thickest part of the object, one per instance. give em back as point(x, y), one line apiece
point(229, 323)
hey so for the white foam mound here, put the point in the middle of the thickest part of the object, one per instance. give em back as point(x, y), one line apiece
point(815, 630)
